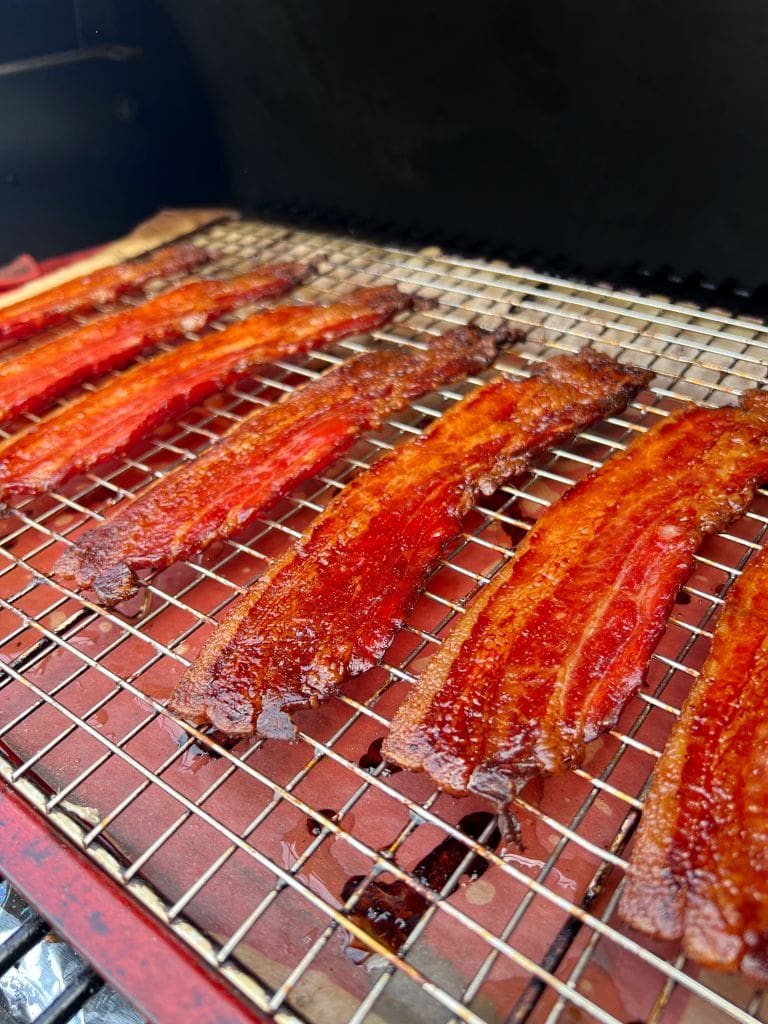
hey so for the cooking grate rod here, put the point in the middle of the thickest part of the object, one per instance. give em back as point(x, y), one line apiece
point(32, 931)
point(21, 941)
point(73, 998)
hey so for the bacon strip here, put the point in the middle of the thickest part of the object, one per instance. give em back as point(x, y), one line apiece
point(545, 660)
point(699, 870)
point(329, 608)
point(98, 426)
point(30, 380)
point(233, 482)
point(82, 294)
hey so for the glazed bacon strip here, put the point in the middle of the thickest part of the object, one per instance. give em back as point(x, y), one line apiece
point(276, 447)
point(107, 422)
point(548, 656)
point(31, 379)
point(329, 608)
point(699, 871)
point(83, 294)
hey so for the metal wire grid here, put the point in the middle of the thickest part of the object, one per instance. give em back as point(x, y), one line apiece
point(85, 737)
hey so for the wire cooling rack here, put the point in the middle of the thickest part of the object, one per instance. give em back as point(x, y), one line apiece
point(256, 856)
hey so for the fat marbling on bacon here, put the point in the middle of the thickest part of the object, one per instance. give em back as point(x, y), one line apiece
point(699, 869)
point(97, 426)
point(546, 658)
point(85, 293)
point(259, 460)
point(329, 607)
point(31, 379)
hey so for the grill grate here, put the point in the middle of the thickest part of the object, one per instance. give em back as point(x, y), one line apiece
point(32, 971)
point(245, 852)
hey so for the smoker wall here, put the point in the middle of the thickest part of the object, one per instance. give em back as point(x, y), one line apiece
point(103, 119)
point(611, 133)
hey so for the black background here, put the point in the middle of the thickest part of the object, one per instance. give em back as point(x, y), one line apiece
point(90, 146)
point(602, 135)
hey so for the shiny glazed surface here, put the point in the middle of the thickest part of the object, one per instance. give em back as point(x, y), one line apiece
point(548, 655)
point(107, 422)
point(274, 448)
point(27, 317)
point(329, 608)
point(30, 380)
point(699, 871)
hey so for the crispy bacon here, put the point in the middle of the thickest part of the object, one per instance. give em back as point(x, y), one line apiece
point(253, 465)
point(547, 657)
point(329, 608)
point(30, 380)
point(699, 871)
point(97, 426)
point(82, 294)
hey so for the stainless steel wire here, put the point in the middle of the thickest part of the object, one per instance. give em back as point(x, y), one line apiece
point(181, 820)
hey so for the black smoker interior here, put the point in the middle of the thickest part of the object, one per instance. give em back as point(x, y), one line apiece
point(601, 139)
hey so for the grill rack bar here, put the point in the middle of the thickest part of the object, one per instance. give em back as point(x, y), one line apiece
point(78, 990)
point(727, 381)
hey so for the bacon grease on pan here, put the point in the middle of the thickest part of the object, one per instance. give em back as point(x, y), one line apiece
point(389, 911)
point(107, 422)
point(547, 657)
point(83, 294)
point(699, 870)
point(30, 380)
point(329, 608)
point(224, 489)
